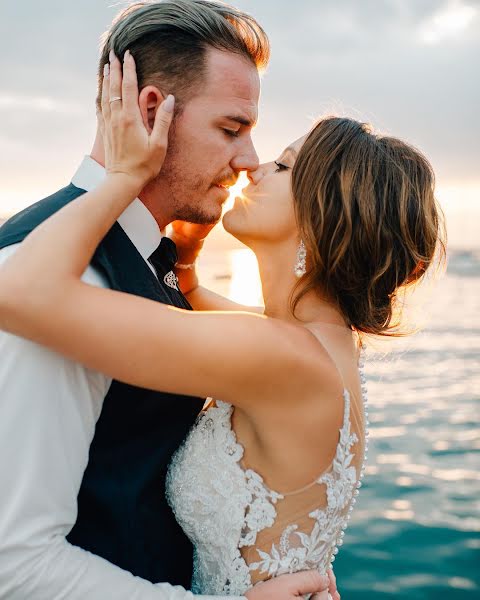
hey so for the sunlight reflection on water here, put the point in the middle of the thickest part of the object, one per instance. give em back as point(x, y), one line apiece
point(245, 285)
point(232, 273)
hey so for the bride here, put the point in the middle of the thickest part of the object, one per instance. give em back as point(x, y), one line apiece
point(341, 223)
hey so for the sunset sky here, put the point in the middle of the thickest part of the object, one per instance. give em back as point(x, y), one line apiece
point(410, 67)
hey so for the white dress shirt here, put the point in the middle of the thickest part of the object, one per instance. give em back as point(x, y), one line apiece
point(48, 410)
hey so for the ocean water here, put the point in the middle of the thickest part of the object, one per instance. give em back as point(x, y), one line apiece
point(415, 532)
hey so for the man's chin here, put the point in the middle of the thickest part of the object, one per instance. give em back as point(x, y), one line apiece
point(204, 210)
point(210, 217)
point(198, 217)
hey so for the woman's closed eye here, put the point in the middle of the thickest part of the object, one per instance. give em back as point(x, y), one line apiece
point(280, 166)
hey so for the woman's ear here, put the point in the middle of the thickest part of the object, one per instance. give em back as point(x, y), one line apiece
point(149, 100)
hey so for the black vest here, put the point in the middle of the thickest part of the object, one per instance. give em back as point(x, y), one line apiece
point(122, 512)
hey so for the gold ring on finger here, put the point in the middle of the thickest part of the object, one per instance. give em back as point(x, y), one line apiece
point(115, 99)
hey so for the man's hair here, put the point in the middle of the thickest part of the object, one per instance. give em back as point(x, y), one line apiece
point(169, 40)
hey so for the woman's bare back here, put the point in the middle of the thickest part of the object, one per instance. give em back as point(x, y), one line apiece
point(251, 510)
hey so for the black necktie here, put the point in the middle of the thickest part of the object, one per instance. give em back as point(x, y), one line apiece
point(163, 261)
point(164, 257)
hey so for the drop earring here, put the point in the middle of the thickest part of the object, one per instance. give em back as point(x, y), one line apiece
point(301, 264)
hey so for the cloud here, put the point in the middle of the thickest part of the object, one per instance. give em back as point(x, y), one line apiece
point(449, 22)
point(39, 104)
point(368, 59)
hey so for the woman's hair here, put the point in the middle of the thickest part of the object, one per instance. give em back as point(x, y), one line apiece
point(169, 39)
point(367, 213)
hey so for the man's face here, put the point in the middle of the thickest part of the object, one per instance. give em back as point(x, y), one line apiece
point(211, 140)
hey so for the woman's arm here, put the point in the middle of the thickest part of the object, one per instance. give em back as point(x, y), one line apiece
point(234, 356)
point(189, 239)
point(204, 299)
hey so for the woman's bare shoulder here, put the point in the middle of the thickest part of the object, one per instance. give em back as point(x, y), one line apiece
point(305, 369)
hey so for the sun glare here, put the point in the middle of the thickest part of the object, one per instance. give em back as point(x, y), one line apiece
point(236, 190)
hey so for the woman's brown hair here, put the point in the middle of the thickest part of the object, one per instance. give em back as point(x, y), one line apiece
point(367, 212)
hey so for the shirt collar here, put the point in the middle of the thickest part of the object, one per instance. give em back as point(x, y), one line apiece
point(136, 220)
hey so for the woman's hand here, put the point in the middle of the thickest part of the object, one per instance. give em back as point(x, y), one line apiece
point(130, 149)
point(189, 239)
point(289, 587)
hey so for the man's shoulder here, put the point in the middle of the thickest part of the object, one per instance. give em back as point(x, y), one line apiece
point(15, 229)
point(18, 226)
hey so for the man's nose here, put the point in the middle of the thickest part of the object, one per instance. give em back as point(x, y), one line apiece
point(246, 158)
point(256, 175)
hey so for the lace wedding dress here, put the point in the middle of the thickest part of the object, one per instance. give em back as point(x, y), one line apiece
point(243, 531)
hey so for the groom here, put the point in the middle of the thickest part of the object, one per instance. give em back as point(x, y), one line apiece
point(83, 514)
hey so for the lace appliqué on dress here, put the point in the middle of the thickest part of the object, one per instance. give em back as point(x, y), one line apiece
point(260, 512)
point(225, 509)
point(298, 550)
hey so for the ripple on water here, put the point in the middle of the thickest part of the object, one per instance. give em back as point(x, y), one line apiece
point(411, 561)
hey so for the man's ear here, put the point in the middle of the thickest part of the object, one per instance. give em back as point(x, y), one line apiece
point(149, 100)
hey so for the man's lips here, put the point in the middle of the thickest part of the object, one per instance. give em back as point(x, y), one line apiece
point(223, 191)
point(225, 185)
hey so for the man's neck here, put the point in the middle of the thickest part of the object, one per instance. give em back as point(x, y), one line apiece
point(153, 206)
point(149, 197)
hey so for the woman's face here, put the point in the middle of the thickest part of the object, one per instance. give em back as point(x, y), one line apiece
point(265, 210)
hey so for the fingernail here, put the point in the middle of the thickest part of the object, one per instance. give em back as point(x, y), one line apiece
point(126, 55)
point(111, 55)
point(169, 103)
point(106, 69)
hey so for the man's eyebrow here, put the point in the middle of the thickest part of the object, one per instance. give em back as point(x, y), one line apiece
point(242, 120)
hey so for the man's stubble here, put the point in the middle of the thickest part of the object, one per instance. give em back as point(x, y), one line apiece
point(185, 188)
